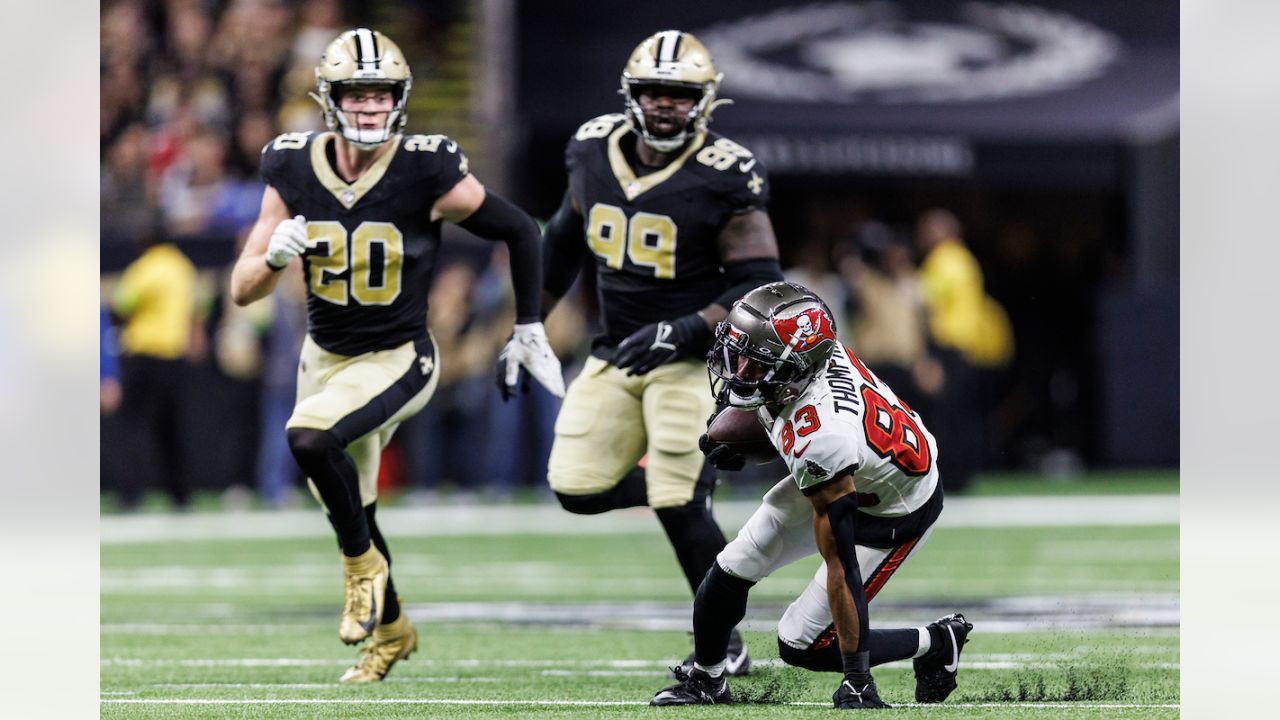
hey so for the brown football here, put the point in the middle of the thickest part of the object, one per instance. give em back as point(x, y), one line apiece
point(740, 430)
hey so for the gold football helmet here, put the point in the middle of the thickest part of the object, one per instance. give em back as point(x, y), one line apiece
point(678, 59)
point(362, 57)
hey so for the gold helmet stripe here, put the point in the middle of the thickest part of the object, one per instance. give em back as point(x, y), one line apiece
point(669, 46)
point(368, 48)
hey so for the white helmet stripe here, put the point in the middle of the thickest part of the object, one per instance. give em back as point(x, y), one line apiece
point(368, 48)
point(669, 46)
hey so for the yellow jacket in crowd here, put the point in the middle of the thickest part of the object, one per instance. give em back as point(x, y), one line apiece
point(961, 314)
point(157, 297)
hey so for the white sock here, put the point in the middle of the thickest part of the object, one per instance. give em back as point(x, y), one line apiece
point(926, 642)
point(714, 670)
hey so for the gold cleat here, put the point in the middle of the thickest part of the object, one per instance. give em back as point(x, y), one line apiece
point(366, 586)
point(391, 642)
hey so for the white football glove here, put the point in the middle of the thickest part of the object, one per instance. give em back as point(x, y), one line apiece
point(528, 348)
point(288, 241)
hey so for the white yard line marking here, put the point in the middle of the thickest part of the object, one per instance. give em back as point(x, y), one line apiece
point(580, 703)
point(965, 664)
point(551, 520)
point(198, 629)
point(314, 662)
point(311, 686)
point(617, 668)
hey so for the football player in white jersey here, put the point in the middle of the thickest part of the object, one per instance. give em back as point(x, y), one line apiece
point(863, 491)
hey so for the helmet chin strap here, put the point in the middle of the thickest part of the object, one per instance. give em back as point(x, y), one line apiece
point(754, 400)
point(367, 138)
point(693, 124)
point(757, 398)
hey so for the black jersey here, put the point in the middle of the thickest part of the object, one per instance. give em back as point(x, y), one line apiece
point(654, 236)
point(375, 243)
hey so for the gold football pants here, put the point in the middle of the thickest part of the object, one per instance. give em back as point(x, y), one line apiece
point(363, 399)
point(610, 420)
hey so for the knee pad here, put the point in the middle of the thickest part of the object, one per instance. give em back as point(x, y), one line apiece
point(309, 445)
point(592, 504)
point(821, 656)
point(628, 492)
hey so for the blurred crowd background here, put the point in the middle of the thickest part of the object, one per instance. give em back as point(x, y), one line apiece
point(1019, 289)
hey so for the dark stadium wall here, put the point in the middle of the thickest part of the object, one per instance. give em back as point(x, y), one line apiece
point(1066, 192)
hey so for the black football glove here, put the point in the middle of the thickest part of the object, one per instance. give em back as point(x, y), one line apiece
point(662, 342)
point(721, 456)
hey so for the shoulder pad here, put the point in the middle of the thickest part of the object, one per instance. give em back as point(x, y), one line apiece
point(289, 141)
point(598, 127)
point(277, 154)
point(439, 153)
point(734, 171)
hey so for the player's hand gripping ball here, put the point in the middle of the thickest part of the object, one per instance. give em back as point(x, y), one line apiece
point(733, 438)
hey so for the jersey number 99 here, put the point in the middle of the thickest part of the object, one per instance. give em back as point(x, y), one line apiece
point(375, 258)
point(649, 239)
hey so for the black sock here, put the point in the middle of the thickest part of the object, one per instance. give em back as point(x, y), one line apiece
point(718, 606)
point(856, 664)
point(327, 463)
point(391, 607)
point(695, 537)
point(889, 645)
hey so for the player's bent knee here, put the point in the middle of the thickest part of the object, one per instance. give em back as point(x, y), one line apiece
point(590, 504)
point(825, 659)
point(309, 445)
point(579, 482)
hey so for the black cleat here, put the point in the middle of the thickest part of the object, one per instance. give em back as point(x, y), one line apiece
point(858, 694)
point(695, 688)
point(736, 662)
point(936, 670)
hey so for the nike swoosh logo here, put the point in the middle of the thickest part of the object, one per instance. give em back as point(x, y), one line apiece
point(373, 612)
point(746, 166)
point(804, 449)
point(955, 652)
point(735, 662)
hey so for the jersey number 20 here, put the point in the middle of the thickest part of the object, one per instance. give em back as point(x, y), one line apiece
point(649, 239)
point(375, 258)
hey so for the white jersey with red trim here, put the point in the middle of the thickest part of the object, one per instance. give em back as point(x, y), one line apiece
point(851, 421)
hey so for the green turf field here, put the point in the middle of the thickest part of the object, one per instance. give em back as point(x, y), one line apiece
point(1070, 622)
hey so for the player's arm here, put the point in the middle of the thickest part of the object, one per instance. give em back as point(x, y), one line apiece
point(489, 216)
point(273, 242)
point(564, 244)
point(749, 257)
point(835, 516)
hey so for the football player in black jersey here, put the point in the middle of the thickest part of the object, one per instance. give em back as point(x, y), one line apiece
point(674, 215)
point(361, 205)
